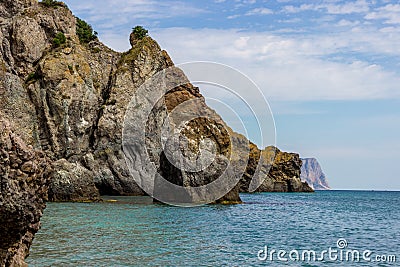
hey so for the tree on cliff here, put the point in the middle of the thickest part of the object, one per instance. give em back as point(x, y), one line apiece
point(51, 3)
point(85, 31)
point(140, 32)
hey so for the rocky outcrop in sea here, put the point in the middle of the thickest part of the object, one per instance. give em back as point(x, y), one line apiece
point(311, 172)
point(273, 171)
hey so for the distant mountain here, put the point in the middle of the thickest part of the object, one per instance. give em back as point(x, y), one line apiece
point(311, 172)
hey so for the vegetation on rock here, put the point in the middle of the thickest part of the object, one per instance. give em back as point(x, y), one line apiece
point(140, 32)
point(85, 31)
point(51, 3)
point(59, 40)
point(32, 77)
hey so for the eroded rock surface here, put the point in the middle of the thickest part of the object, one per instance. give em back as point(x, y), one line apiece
point(24, 176)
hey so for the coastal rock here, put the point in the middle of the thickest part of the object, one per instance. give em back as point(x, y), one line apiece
point(70, 101)
point(311, 172)
point(207, 134)
point(23, 191)
point(71, 182)
point(277, 172)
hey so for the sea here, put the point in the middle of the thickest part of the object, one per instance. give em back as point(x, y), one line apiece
point(326, 228)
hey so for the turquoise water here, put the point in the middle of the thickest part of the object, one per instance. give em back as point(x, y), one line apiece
point(134, 232)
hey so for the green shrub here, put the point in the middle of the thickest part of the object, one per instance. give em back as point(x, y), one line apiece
point(85, 31)
point(59, 40)
point(51, 3)
point(140, 32)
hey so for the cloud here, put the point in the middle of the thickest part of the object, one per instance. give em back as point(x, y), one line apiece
point(292, 20)
point(288, 63)
point(249, 2)
point(292, 68)
point(259, 11)
point(112, 14)
point(390, 14)
point(359, 6)
point(234, 16)
point(294, 9)
point(347, 23)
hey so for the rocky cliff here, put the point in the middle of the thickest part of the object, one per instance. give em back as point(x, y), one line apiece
point(311, 172)
point(271, 170)
point(23, 191)
point(69, 99)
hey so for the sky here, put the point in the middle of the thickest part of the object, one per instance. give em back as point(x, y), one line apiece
point(330, 69)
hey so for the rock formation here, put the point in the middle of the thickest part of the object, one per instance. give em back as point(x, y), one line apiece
point(69, 101)
point(277, 172)
point(312, 173)
point(23, 191)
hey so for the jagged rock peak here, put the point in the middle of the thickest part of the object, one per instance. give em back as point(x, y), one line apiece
point(311, 172)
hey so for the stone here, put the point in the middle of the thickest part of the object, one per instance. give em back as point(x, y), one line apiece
point(133, 40)
point(21, 203)
point(28, 167)
point(71, 182)
point(27, 46)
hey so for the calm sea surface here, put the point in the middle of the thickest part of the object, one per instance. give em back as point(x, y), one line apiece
point(135, 232)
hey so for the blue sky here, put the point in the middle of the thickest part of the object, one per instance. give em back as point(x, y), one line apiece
point(329, 68)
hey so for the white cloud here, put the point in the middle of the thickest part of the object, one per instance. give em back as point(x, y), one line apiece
point(359, 6)
point(347, 23)
point(250, 2)
point(371, 151)
point(287, 66)
point(292, 68)
point(259, 11)
point(233, 16)
point(294, 9)
point(391, 8)
point(389, 13)
point(292, 20)
point(111, 14)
